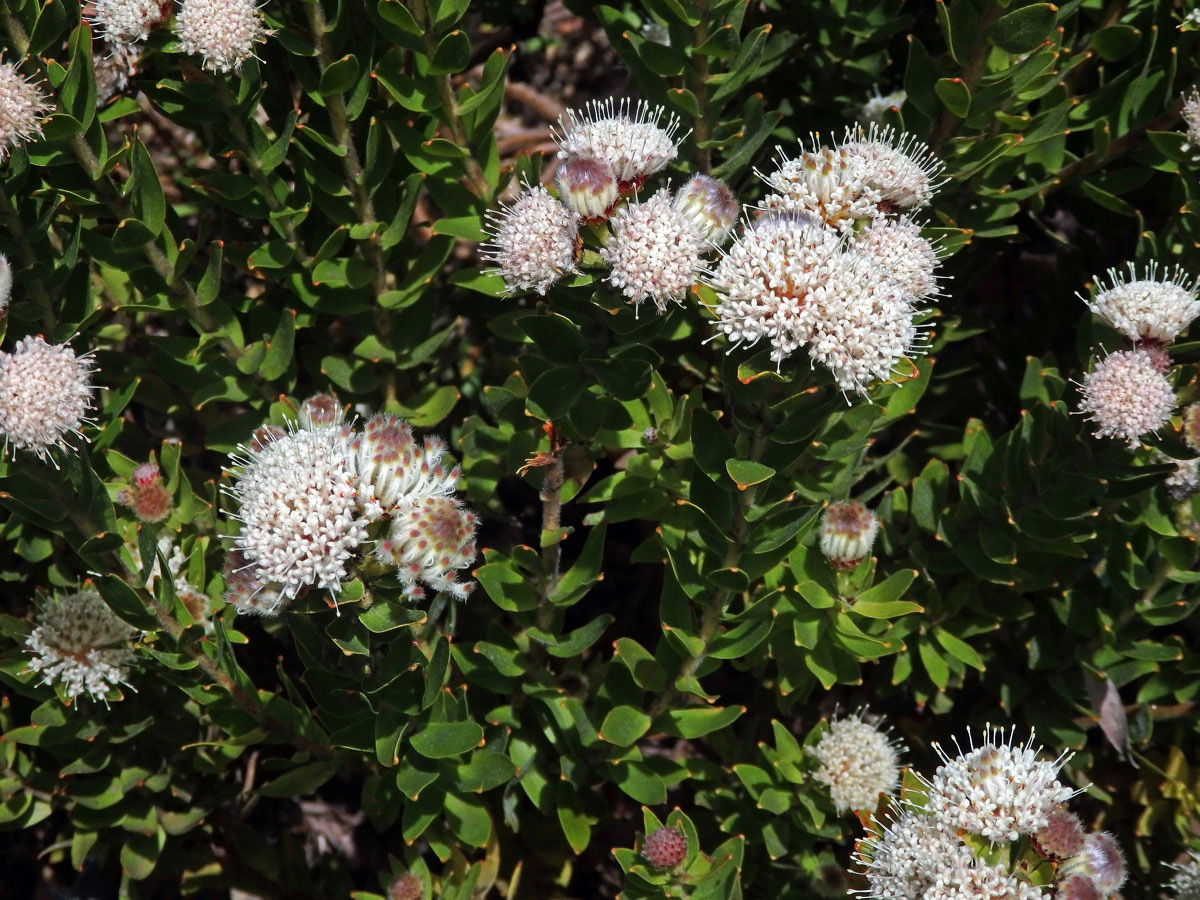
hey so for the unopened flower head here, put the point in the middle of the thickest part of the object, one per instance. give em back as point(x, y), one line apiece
point(393, 468)
point(858, 762)
point(896, 246)
point(997, 790)
point(45, 394)
point(665, 848)
point(431, 539)
point(655, 253)
point(407, 887)
point(23, 106)
point(222, 32)
point(1154, 307)
point(248, 594)
point(847, 533)
point(1127, 396)
point(588, 187)
point(769, 279)
point(6, 282)
point(534, 241)
point(1191, 111)
point(1101, 860)
point(863, 327)
point(297, 502)
point(828, 183)
point(1077, 887)
point(709, 205)
point(1062, 835)
point(634, 142)
point(899, 167)
point(871, 112)
point(146, 495)
point(80, 643)
point(320, 411)
point(128, 21)
point(1185, 883)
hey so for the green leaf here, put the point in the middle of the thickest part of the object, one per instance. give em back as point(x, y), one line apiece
point(711, 446)
point(1116, 41)
point(339, 76)
point(745, 472)
point(452, 54)
point(624, 725)
point(955, 95)
point(554, 392)
point(959, 649)
point(576, 826)
point(302, 780)
point(436, 672)
point(883, 600)
point(148, 199)
point(1025, 29)
point(919, 77)
point(442, 740)
point(278, 354)
point(397, 13)
point(696, 723)
point(468, 819)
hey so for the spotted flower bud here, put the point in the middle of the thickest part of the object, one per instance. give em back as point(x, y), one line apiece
point(588, 187)
point(1127, 396)
point(634, 143)
point(431, 539)
point(23, 106)
point(320, 411)
point(654, 253)
point(847, 533)
point(709, 205)
point(45, 394)
point(665, 848)
point(1149, 308)
point(1061, 836)
point(222, 32)
point(80, 643)
point(858, 762)
point(1101, 860)
point(393, 468)
point(534, 241)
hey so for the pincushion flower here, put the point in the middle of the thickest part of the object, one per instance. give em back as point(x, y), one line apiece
point(655, 252)
point(896, 246)
point(297, 503)
point(222, 32)
point(827, 183)
point(128, 21)
point(45, 394)
point(1146, 308)
point(534, 241)
point(23, 106)
point(393, 468)
point(1127, 396)
point(901, 169)
point(633, 142)
point(858, 762)
point(997, 790)
point(80, 643)
point(431, 538)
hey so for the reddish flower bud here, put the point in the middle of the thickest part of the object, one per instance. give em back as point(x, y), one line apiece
point(665, 848)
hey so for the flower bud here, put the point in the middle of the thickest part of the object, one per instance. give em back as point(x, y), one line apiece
point(1077, 887)
point(1062, 835)
point(407, 887)
point(665, 848)
point(146, 495)
point(1191, 426)
point(847, 533)
point(709, 205)
point(1100, 860)
point(321, 410)
point(588, 187)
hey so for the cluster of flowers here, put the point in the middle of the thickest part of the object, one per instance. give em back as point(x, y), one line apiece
point(45, 394)
point(1128, 393)
point(310, 498)
point(856, 762)
point(991, 822)
point(832, 261)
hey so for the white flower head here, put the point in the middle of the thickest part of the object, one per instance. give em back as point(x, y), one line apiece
point(393, 468)
point(80, 643)
point(863, 327)
point(858, 762)
point(431, 539)
point(828, 183)
point(902, 857)
point(896, 245)
point(1184, 481)
point(222, 32)
point(128, 21)
point(297, 502)
point(769, 278)
point(6, 282)
point(113, 69)
point(45, 394)
point(634, 142)
point(871, 112)
point(1191, 106)
point(1127, 396)
point(997, 790)
point(23, 106)
point(655, 252)
point(1149, 308)
point(847, 534)
point(534, 241)
point(1185, 883)
point(901, 168)
point(246, 593)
